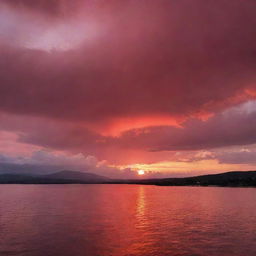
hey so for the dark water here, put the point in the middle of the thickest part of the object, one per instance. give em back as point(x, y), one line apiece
point(118, 220)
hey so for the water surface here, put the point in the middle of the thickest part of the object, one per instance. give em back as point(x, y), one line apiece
point(122, 220)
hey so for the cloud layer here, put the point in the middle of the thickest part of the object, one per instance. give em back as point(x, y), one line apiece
point(128, 81)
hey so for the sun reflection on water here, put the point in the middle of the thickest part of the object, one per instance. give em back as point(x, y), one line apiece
point(140, 204)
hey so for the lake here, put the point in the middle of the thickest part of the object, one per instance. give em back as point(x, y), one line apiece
point(122, 220)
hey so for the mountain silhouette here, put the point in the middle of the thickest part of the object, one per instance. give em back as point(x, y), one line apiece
point(62, 177)
point(78, 176)
point(242, 179)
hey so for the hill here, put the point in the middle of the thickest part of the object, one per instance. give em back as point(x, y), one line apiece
point(76, 176)
point(229, 179)
point(62, 177)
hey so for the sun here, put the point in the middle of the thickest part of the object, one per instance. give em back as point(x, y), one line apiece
point(141, 172)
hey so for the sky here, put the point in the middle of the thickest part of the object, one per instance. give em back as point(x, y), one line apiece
point(114, 87)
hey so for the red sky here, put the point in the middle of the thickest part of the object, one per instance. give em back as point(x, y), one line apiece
point(114, 86)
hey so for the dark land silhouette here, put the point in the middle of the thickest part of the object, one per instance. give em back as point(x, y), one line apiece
point(228, 179)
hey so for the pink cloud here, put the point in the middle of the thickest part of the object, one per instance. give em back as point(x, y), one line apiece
point(127, 81)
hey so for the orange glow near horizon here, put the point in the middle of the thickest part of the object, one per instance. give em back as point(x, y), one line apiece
point(185, 168)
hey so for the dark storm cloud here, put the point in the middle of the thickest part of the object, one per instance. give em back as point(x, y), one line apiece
point(51, 7)
point(164, 67)
point(177, 59)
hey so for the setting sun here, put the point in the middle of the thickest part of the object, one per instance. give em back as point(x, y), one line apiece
point(141, 172)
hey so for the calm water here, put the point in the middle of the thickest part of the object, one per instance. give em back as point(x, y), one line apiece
point(118, 220)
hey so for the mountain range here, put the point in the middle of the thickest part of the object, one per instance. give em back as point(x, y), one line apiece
point(62, 177)
point(241, 179)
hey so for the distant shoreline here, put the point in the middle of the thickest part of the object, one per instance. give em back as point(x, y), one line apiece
point(228, 179)
point(135, 184)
